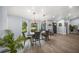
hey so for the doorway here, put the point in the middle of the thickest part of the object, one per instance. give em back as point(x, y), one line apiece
point(54, 28)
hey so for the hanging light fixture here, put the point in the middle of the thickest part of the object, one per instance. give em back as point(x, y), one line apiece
point(34, 21)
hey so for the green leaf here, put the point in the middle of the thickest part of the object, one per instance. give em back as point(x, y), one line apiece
point(1, 42)
point(24, 26)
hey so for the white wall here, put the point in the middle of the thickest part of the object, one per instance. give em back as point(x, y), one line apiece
point(28, 21)
point(0, 18)
point(61, 29)
point(3, 20)
point(15, 24)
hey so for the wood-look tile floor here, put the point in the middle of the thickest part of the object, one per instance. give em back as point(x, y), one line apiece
point(57, 44)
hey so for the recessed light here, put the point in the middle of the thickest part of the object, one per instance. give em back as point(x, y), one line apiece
point(53, 16)
point(42, 10)
point(28, 10)
point(70, 6)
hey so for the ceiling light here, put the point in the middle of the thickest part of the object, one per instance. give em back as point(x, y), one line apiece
point(28, 10)
point(53, 16)
point(70, 6)
point(42, 10)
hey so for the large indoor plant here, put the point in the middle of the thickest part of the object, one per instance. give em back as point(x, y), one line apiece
point(24, 26)
point(9, 42)
point(24, 29)
point(73, 27)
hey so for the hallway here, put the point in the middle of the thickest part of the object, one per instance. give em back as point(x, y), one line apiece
point(58, 44)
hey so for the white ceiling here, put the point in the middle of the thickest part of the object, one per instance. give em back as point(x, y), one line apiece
point(49, 11)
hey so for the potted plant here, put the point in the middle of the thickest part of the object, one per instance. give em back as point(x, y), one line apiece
point(12, 44)
point(24, 29)
point(71, 28)
point(33, 27)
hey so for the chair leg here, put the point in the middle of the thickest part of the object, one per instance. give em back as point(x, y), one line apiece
point(39, 43)
point(35, 42)
point(31, 42)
